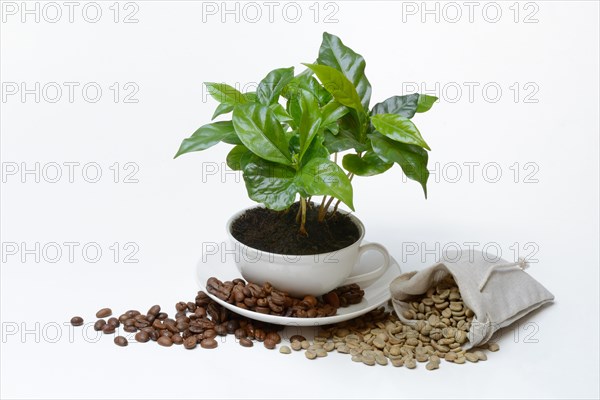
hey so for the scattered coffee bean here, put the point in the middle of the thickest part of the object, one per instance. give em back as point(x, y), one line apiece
point(245, 342)
point(103, 313)
point(76, 321)
point(113, 321)
point(208, 343)
point(285, 350)
point(298, 338)
point(165, 341)
point(270, 344)
point(108, 329)
point(190, 342)
point(142, 337)
point(311, 355)
point(493, 347)
point(98, 325)
point(120, 341)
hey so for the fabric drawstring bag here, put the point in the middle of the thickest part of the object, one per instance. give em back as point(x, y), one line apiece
point(498, 292)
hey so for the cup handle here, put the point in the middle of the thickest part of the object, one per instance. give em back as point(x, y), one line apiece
point(375, 274)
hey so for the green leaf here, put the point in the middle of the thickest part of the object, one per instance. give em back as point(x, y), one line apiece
point(269, 183)
point(425, 102)
point(334, 128)
point(231, 138)
point(405, 106)
point(412, 159)
point(234, 157)
point(343, 140)
point(305, 81)
point(221, 109)
point(338, 85)
point(206, 136)
point(335, 54)
point(224, 93)
point(258, 129)
point(251, 97)
point(320, 176)
point(316, 149)
point(333, 111)
point(280, 113)
point(398, 128)
point(304, 108)
point(270, 87)
point(368, 165)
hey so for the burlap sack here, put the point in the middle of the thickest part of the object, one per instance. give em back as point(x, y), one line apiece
point(498, 292)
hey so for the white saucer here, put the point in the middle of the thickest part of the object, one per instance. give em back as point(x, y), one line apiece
point(376, 293)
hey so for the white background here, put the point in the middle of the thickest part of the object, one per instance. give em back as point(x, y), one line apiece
point(548, 213)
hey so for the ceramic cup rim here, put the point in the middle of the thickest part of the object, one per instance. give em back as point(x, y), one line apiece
point(280, 256)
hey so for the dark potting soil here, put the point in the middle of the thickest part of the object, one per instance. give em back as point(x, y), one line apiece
point(278, 231)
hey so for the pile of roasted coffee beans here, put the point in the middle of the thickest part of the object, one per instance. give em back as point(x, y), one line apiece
point(195, 323)
point(266, 299)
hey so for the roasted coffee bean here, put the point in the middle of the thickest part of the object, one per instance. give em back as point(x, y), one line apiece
point(123, 318)
point(180, 314)
point(154, 335)
point(129, 322)
point(166, 332)
point(99, 325)
point(120, 341)
point(260, 335)
point(132, 313)
point(208, 343)
point(240, 333)
point(162, 316)
point(108, 329)
point(177, 339)
point(232, 325)
point(76, 321)
point(297, 338)
point(221, 330)
point(157, 324)
point(274, 336)
point(191, 306)
point(332, 299)
point(200, 312)
point(141, 324)
point(270, 344)
point(113, 321)
point(127, 328)
point(103, 313)
point(182, 326)
point(165, 341)
point(154, 310)
point(142, 337)
point(190, 342)
point(209, 334)
point(172, 327)
point(245, 342)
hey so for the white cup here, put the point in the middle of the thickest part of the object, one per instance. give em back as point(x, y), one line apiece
point(308, 274)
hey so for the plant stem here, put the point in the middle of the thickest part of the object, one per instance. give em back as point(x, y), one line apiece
point(303, 216)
